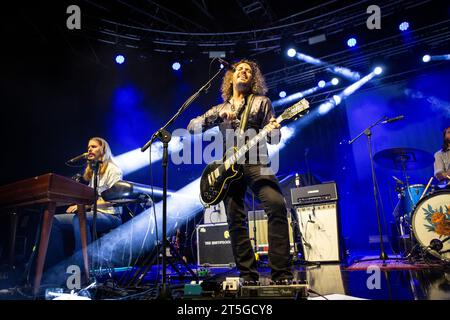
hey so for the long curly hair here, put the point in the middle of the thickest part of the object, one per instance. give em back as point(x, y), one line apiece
point(257, 86)
point(445, 144)
point(106, 158)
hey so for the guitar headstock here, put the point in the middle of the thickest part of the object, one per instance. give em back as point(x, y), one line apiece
point(295, 110)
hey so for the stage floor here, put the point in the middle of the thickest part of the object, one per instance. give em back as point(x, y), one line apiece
point(397, 280)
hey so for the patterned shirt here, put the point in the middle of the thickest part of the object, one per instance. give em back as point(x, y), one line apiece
point(261, 111)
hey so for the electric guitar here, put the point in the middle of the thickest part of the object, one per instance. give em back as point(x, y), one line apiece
point(218, 175)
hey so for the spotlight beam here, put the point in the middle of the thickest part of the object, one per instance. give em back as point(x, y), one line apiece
point(436, 58)
point(336, 99)
point(297, 96)
point(344, 72)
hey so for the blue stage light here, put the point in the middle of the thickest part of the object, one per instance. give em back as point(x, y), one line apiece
point(321, 84)
point(378, 70)
point(120, 59)
point(282, 94)
point(404, 26)
point(351, 42)
point(335, 81)
point(291, 52)
point(176, 66)
point(426, 58)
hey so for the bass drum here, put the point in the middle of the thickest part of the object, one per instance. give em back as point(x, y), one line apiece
point(431, 224)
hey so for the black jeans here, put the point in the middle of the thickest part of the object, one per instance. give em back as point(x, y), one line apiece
point(267, 189)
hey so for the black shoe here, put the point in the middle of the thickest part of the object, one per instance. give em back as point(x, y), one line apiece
point(282, 282)
point(250, 283)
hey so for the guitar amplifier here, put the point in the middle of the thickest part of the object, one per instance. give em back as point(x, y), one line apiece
point(319, 226)
point(259, 218)
point(319, 193)
point(214, 245)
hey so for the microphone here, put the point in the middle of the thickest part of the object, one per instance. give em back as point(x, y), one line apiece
point(78, 158)
point(226, 64)
point(388, 120)
point(77, 177)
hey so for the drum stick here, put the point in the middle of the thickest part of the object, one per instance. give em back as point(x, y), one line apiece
point(426, 188)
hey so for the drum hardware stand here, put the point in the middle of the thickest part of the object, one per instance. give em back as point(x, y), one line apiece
point(368, 133)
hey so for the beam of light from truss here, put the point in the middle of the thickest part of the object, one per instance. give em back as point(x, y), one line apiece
point(337, 99)
point(299, 95)
point(428, 58)
point(338, 70)
point(436, 104)
point(134, 160)
point(294, 97)
point(329, 104)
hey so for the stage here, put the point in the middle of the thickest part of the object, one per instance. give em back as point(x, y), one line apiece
point(114, 120)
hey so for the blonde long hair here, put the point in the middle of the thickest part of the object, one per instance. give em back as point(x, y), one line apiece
point(257, 86)
point(106, 158)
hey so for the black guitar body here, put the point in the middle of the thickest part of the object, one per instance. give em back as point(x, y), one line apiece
point(212, 192)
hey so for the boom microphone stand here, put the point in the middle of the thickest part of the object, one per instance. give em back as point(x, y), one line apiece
point(95, 165)
point(368, 133)
point(165, 137)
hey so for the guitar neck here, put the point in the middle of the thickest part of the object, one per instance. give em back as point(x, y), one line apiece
point(250, 144)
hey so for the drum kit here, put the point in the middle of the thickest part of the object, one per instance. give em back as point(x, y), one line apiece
point(423, 211)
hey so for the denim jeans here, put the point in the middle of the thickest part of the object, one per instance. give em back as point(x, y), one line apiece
point(69, 222)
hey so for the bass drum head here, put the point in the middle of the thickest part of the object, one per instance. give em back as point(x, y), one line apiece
point(431, 220)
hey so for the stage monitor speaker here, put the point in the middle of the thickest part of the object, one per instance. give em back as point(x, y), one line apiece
point(319, 226)
point(214, 245)
point(262, 237)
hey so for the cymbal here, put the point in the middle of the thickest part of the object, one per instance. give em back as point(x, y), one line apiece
point(403, 158)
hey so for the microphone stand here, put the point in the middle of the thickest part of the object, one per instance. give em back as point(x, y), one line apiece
point(164, 136)
point(368, 133)
point(309, 177)
point(95, 165)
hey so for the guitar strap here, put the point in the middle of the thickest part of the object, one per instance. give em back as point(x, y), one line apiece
point(244, 119)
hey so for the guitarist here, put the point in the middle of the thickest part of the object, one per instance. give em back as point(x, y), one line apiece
point(442, 160)
point(244, 84)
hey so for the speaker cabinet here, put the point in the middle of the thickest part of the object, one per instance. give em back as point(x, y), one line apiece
point(214, 245)
point(259, 218)
point(319, 227)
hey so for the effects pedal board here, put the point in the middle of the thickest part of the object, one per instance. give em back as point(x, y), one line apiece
point(295, 290)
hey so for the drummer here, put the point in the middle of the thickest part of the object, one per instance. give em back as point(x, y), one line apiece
point(442, 160)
